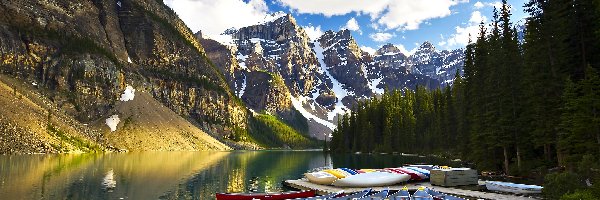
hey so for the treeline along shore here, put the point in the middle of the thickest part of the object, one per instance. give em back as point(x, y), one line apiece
point(525, 103)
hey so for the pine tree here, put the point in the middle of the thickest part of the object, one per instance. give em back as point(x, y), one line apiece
point(460, 105)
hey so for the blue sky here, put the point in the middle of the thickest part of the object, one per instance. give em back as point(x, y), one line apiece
point(405, 23)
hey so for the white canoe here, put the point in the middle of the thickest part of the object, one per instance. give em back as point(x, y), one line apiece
point(372, 179)
point(321, 178)
point(513, 187)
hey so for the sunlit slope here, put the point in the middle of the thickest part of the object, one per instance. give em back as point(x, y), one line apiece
point(145, 124)
point(28, 123)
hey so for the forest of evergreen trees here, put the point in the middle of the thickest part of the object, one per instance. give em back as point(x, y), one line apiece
point(519, 105)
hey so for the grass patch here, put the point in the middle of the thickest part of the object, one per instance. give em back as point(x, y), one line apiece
point(268, 131)
point(81, 144)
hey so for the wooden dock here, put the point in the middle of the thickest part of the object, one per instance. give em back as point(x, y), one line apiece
point(303, 184)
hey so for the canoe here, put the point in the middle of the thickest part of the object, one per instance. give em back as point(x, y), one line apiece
point(513, 187)
point(379, 195)
point(427, 167)
point(414, 175)
point(420, 170)
point(339, 173)
point(266, 196)
point(354, 196)
point(421, 194)
point(322, 178)
point(401, 194)
point(350, 171)
point(371, 179)
point(361, 171)
point(441, 196)
point(322, 197)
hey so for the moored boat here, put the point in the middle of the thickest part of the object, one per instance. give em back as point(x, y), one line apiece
point(266, 196)
point(414, 175)
point(371, 179)
point(339, 173)
point(322, 197)
point(421, 194)
point(513, 187)
point(402, 194)
point(420, 170)
point(427, 167)
point(322, 178)
point(441, 196)
point(354, 196)
point(379, 195)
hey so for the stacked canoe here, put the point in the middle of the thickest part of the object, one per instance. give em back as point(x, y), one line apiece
point(403, 194)
point(345, 177)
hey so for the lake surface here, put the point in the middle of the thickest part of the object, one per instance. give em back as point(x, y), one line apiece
point(172, 175)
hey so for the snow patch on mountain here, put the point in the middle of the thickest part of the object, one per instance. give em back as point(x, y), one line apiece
point(242, 60)
point(297, 103)
point(272, 17)
point(373, 85)
point(338, 89)
point(243, 88)
point(112, 122)
point(128, 94)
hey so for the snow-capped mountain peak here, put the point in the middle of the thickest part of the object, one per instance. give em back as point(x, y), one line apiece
point(275, 67)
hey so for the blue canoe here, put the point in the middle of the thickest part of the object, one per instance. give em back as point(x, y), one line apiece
point(439, 195)
point(354, 196)
point(400, 195)
point(379, 195)
point(421, 194)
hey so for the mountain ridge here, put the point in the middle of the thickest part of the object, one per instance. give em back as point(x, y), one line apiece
point(330, 74)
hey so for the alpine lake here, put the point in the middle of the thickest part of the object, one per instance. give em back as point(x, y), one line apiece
point(173, 175)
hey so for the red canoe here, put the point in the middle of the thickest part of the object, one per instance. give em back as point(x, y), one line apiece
point(263, 196)
point(413, 174)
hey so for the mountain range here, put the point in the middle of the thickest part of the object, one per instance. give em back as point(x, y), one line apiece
point(320, 78)
point(129, 75)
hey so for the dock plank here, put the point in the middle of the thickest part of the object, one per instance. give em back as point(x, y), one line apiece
point(303, 184)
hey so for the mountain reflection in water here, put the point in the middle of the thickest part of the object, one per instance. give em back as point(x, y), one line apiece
point(168, 175)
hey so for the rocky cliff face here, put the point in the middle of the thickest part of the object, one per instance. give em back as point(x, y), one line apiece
point(84, 53)
point(281, 47)
point(344, 61)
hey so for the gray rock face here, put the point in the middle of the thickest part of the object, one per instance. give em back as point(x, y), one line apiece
point(280, 47)
point(266, 92)
point(344, 61)
point(85, 53)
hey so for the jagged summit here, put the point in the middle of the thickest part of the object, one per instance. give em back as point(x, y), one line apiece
point(426, 46)
point(388, 49)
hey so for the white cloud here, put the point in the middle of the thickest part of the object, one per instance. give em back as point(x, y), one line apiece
point(368, 49)
point(461, 37)
point(497, 5)
point(478, 5)
point(213, 17)
point(381, 37)
point(128, 94)
point(352, 25)
point(405, 51)
point(337, 7)
point(477, 17)
point(442, 43)
point(391, 14)
point(313, 32)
